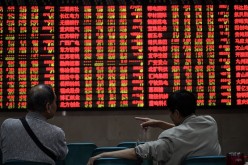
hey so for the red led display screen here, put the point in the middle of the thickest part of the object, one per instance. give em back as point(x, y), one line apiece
point(119, 55)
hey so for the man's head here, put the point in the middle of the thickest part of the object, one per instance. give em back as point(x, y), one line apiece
point(42, 99)
point(181, 104)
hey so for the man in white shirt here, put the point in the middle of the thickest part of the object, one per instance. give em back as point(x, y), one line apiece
point(189, 135)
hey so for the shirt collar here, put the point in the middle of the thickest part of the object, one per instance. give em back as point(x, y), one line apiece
point(36, 115)
point(188, 118)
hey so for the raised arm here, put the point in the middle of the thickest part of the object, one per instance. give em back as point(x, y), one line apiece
point(148, 122)
point(126, 154)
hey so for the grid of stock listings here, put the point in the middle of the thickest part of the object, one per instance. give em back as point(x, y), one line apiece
point(124, 55)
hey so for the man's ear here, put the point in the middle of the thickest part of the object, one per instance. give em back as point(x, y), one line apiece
point(48, 107)
point(177, 113)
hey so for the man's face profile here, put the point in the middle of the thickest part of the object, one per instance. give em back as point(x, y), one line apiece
point(52, 108)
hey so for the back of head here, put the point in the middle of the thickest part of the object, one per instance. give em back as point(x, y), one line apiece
point(182, 100)
point(38, 96)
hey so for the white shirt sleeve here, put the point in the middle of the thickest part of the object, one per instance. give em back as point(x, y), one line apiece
point(159, 150)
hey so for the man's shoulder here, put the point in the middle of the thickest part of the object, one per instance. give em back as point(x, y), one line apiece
point(191, 125)
point(10, 121)
point(46, 125)
point(55, 132)
point(38, 123)
point(206, 118)
point(55, 129)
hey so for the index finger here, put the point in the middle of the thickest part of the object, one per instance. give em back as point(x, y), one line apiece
point(142, 118)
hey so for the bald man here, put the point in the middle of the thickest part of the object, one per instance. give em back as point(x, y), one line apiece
point(16, 143)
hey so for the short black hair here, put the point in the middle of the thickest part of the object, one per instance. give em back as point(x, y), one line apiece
point(182, 100)
point(38, 96)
